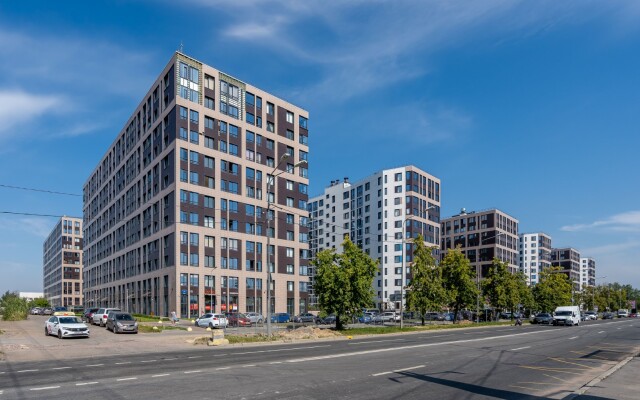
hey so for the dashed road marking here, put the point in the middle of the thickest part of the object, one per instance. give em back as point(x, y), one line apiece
point(222, 368)
point(601, 332)
point(61, 368)
point(575, 337)
point(86, 383)
point(192, 372)
point(45, 388)
point(122, 363)
point(28, 370)
point(159, 375)
point(169, 359)
point(127, 379)
point(148, 361)
point(398, 370)
point(95, 365)
point(275, 362)
point(195, 357)
point(521, 348)
point(248, 366)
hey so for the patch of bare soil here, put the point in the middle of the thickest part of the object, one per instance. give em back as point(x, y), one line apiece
point(308, 332)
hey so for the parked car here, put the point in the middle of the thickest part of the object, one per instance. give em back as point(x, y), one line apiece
point(87, 315)
point(36, 311)
point(622, 313)
point(543, 318)
point(591, 315)
point(100, 316)
point(305, 318)
point(607, 315)
point(59, 309)
point(121, 322)
point(387, 316)
point(64, 326)
point(212, 320)
point(366, 318)
point(238, 319)
point(254, 317)
point(434, 316)
point(280, 318)
point(47, 311)
point(328, 320)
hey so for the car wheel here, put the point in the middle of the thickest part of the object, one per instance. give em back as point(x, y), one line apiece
point(211, 325)
point(46, 332)
point(101, 324)
point(115, 330)
point(59, 334)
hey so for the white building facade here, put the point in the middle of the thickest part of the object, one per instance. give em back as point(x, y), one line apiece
point(587, 272)
point(535, 255)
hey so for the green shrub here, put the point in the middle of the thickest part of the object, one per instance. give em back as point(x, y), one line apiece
point(14, 308)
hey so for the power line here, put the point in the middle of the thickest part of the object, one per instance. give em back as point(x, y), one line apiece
point(40, 190)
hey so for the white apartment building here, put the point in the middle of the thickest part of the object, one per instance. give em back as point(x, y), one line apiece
point(535, 255)
point(372, 212)
point(587, 272)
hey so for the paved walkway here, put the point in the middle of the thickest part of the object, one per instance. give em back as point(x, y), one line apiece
point(621, 384)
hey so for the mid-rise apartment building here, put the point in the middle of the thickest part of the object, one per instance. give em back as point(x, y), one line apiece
point(587, 272)
point(568, 259)
point(483, 236)
point(535, 255)
point(62, 263)
point(181, 212)
point(372, 212)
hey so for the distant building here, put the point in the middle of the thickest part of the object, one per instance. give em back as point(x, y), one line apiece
point(29, 296)
point(62, 255)
point(587, 272)
point(568, 259)
point(372, 212)
point(482, 236)
point(535, 255)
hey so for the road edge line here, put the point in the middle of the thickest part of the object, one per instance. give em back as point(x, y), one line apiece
point(599, 378)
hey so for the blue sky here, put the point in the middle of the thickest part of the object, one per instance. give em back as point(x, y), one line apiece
point(530, 107)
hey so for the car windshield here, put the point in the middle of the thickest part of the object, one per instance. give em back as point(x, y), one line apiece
point(69, 320)
point(563, 313)
point(124, 317)
point(543, 315)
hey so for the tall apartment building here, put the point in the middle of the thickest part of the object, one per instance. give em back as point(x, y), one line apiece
point(179, 213)
point(62, 263)
point(372, 212)
point(483, 235)
point(587, 272)
point(568, 259)
point(535, 255)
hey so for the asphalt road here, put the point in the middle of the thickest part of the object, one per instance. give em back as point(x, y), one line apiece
point(528, 362)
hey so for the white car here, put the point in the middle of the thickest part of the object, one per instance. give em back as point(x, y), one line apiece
point(254, 317)
point(64, 326)
point(100, 316)
point(211, 320)
point(387, 317)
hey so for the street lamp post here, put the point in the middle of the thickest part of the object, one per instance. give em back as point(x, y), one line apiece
point(270, 183)
point(404, 234)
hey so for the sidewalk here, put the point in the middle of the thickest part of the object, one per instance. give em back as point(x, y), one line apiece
point(622, 384)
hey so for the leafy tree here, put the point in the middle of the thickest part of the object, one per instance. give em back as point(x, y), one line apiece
point(553, 290)
point(14, 307)
point(458, 280)
point(344, 281)
point(39, 302)
point(525, 292)
point(499, 286)
point(426, 291)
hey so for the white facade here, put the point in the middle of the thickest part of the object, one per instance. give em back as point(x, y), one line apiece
point(587, 272)
point(372, 211)
point(535, 255)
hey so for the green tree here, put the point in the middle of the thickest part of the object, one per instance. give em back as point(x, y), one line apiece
point(525, 292)
point(344, 281)
point(426, 291)
point(499, 286)
point(14, 308)
point(458, 280)
point(553, 290)
point(39, 302)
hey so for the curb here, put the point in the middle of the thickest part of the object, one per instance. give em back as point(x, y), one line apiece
point(598, 379)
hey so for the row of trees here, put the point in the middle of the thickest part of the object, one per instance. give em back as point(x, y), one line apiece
point(343, 283)
point(15, 308)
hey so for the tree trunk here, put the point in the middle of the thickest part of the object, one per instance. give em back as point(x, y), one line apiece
point(338, 323)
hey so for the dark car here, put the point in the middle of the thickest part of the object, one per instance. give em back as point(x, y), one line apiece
point(329, 319)
point(238, 319)
point(121, 322)
point(434, 316)
point(608, 315)
point(280, 318)
point(305, 318)
point(87, 315)
point(543, 318)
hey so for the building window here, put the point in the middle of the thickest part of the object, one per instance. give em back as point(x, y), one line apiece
point(290, 117)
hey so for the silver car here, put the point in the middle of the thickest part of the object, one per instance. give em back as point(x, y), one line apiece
point(211, 320)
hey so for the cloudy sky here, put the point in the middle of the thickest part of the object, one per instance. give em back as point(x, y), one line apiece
point(530, 107)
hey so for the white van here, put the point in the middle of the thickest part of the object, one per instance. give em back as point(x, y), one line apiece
point(567, 315)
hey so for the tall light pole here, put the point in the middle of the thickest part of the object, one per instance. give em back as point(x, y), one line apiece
point(404, 234)
point(270, 183)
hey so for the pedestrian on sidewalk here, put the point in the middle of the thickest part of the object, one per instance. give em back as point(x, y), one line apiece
point(174, 317)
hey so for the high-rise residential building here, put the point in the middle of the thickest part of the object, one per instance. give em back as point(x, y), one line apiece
point(568, 259)
point(535, 255)
point(372, 212)
point(587, 272)
point(482, 236)
point(181, 212)
point(62, 263)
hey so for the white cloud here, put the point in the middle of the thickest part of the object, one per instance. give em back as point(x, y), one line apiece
point(614, 248)
point(624, 222)
point(18, 107)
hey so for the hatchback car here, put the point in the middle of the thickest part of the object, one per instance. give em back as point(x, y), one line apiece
point(210, 320)
point(543, 318)
point(280, 318)
point(388, 316)
point(328, 320)
point(238, 319)
point(305, 318)
point(100, 316)
point(121, 322)
point(64, 326)
point(254, 317)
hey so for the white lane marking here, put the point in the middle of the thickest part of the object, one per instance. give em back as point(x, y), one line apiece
point(248, 366)
point(521, 348)
point(415, 346)
point(127, 379)
point(122, 363)
point(601, 332)
point(28, 370)
point(277, 350)
point(169, 359)
point(95, 365)
point(195, 357)
point(275, 362)
point(398, 370)
point(61, 368)
point(575, 337)
point(618, 328)
point(378, 341)
point(192, 372)
point(86, 383)
point(222, 368)
point(159, 375)
point(45, 388)
point(148, 361)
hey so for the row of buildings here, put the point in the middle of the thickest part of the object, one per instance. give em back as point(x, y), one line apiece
point(201, 203)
